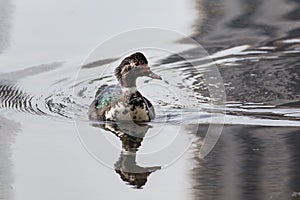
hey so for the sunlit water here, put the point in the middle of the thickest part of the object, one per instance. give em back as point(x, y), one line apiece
point(50, 148)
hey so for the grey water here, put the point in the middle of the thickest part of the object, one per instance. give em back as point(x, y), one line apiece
point(49, 75)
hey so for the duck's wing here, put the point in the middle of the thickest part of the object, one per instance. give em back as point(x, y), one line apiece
point(150, 108)
point(100, 89)
point(107, 96)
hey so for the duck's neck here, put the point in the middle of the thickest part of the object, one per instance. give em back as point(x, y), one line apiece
point(129, 90)
point(128, 81)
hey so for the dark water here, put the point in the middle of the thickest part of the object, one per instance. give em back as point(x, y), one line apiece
point(261, 163)
point(256, 47)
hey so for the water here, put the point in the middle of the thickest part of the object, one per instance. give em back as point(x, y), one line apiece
point(50, 149)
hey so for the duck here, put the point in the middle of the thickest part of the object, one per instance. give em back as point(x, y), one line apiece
point(122, 101)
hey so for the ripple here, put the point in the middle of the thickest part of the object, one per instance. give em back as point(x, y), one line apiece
point(14, 98)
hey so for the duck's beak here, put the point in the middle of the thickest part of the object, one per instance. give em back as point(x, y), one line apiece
point(151, 74)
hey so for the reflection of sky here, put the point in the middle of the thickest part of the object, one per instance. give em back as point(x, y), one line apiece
point(5, 18)
point(50, 163)
point(46, 31)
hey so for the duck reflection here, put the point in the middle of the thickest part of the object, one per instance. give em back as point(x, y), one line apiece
point(131, 136)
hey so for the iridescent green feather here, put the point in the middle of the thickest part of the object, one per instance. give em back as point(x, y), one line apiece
point(108, 96)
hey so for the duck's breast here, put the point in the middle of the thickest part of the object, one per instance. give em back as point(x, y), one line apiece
point(118, 112)
point(125, 112)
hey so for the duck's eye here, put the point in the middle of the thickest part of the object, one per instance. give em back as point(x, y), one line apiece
point(145, 69)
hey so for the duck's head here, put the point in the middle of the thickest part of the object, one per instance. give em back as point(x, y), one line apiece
point(132, 67)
